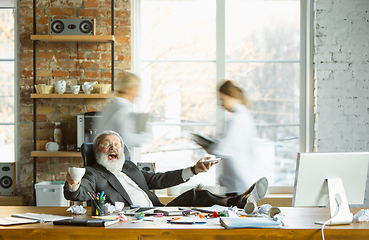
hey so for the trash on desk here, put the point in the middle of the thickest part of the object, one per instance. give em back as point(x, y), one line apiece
point(230, 212)
point(279, 218)
point(122, 218)
point(264, 209)
point(117, 207)
point(77, 209)
point(362, 215)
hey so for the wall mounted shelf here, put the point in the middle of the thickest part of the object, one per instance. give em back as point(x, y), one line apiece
point(70, 95)
point(73, 38)
point(55, 154)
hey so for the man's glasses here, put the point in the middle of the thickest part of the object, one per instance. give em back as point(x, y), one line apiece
point(108, 145)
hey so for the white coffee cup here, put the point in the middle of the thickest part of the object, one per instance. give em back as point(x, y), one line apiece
point(52, 146)
point(87, 89)
point(60, 86)
point(75, 89)
point(76, 173)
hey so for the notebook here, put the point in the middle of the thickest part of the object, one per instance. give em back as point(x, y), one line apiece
point(8, 221)
point(41, 217)
point(86, 222)
point(248, 222)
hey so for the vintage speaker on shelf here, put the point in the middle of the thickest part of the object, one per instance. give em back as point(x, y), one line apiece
point(7, 179)
point(72, 27)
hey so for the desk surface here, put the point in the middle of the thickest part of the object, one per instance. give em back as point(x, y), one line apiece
point(299, 225)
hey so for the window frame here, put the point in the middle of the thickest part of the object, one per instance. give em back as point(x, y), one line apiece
point(13, 5)
point(306, 131)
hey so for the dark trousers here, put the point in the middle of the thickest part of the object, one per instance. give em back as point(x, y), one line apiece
point(196, 198)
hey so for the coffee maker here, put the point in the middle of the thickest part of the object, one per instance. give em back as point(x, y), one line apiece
point(86, 128)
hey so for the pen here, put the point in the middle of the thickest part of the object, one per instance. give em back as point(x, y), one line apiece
point(98, 210)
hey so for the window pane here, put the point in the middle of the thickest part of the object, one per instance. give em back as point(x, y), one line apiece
point(178, 29)
point(263, 51)
point(6, 92)
point(7, 143)
point(278, 147)
point(272, 88)
point(181, 99)
point(179, 95)
point(257, 29)
point(7, 33)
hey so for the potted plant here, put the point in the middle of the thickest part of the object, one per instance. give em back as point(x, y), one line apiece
point(199, 186)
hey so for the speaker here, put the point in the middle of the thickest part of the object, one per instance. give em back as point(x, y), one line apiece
point(146, 166)
point(72, 27)
point(7, 179)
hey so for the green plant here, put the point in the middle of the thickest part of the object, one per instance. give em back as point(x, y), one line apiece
point(199, 186)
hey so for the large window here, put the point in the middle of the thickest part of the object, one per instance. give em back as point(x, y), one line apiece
point(183, 49)
point(7, 80)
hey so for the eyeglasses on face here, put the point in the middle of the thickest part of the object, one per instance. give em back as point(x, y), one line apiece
point(108, 145)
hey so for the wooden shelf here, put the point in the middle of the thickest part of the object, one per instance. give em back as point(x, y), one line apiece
point(73, 38)
point(55, 154)
point(70, 95)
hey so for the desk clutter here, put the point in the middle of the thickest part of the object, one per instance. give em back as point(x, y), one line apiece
point(105, 214)
point(226, 217)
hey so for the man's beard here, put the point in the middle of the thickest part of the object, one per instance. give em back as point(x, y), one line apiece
point(112, 166)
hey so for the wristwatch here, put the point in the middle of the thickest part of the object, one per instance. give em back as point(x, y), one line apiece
point(193, 170)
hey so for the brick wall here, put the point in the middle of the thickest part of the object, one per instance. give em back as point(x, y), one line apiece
point(57, 61)
point(342, 76)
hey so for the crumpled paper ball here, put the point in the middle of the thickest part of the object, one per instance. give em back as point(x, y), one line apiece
point(362, 215)
point(77, 209)
point(264, 209)
point(117, 207)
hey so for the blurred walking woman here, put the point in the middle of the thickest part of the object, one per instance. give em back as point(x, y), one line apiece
point(239, 166)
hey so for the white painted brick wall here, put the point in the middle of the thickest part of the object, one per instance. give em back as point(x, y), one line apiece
point(342, 77)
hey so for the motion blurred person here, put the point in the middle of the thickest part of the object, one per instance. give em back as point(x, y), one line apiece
point(119, 116)
point(239, 166)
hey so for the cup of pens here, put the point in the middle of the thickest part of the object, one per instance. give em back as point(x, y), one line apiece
point(97, 205)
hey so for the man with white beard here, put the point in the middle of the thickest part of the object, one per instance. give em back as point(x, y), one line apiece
point(122, 181)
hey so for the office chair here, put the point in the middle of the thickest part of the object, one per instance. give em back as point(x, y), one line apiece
point(88, 154)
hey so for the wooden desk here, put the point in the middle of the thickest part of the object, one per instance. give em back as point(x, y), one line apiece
point(300, 225)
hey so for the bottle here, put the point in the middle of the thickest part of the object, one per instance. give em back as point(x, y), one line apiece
point(58, 135)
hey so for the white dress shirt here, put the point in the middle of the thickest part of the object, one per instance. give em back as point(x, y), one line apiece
point(136, 194)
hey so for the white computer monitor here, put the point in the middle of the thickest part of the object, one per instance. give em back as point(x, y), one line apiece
point(336, 180)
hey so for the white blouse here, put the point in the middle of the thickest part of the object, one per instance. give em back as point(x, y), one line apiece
point(239, 167)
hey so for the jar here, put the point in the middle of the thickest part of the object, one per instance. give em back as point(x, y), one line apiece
point(58, 135)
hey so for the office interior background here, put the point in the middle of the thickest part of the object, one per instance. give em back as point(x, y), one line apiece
point(303, 64)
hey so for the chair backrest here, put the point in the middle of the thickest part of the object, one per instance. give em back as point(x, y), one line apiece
point(88, 154)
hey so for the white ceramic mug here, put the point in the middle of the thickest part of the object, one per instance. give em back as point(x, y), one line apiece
point(75, 89)
point(174, 191)
point(60, 86)
point(52, 146)
point(87, 89)
point(76, 173)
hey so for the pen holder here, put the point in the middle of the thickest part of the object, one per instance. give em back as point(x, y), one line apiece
point(97, 208)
